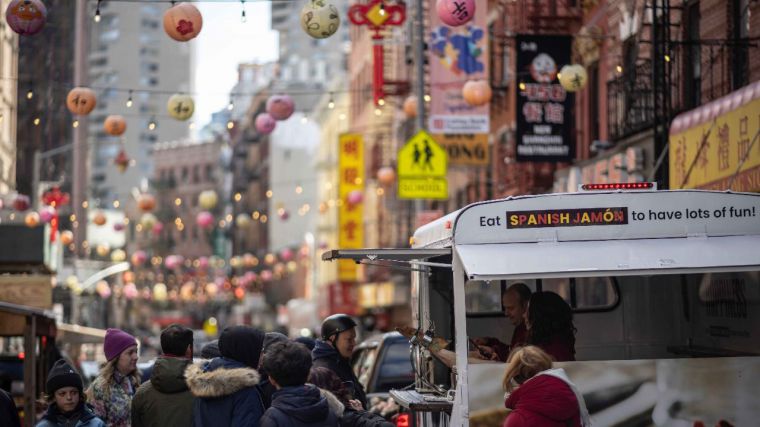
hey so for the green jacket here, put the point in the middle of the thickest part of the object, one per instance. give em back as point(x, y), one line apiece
point(165, 400)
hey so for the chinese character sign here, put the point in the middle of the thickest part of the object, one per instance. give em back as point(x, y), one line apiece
point(350, 215)
point(544, 108)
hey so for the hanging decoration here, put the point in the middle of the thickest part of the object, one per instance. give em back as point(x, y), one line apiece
point(121, 161)
point(32, 219)
point(265, 123)
point(320, 19)
point(26, 17)
point(160, 292)
point(157, 228)
point(99, 218)
point(21, 202)
point(410, 107)
point(286, 254)
point(204, 220)
point(103, 289)
point(130, 291)
point(138, 258)
point(118, 255)
point(203, 263)
point(355, 197)
point(55, 197)
point(146, 202)
point(573, 77)
point(81, 101)
point(67, 237)
point(47, 213)
point(119, 226)
point(208, 199)
point(266, 275)
point(378, 16)
point(455, 12)
point(173, 262)
point(102, 250)
point(477, 92)
point(181, 106)
point(386, 175)
point(183, 22)
point(280, 107)
point(115, 125)
point(242, 220)
point(283, 214)
point(147, 220)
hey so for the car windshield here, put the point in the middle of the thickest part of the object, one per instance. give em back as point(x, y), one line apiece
point(396, 369)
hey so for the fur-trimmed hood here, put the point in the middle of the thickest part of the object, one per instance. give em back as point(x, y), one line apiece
point(336, 406)
point(220, 377)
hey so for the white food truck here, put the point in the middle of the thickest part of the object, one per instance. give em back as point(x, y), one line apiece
point(664, 287)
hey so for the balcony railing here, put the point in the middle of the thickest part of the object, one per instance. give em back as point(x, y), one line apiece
point(630, 107)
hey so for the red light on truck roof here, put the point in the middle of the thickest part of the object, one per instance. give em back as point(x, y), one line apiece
point(402, 420)
point(620, 186)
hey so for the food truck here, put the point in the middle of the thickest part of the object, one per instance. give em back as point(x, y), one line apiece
point(664, 288)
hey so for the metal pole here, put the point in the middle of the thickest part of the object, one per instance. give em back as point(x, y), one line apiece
point(419, 54)
point(36, 180)
point(79, 190)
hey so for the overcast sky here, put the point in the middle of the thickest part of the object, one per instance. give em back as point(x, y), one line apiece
point(224, 42)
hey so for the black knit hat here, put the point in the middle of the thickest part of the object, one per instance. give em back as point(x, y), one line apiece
point(62, 375)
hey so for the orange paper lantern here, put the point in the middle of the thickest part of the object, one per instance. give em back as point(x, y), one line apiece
point(386, 175)
point(115, 125)
point(32, 219)
point(99, 218)
point(410, 106)
point(81, 101)
point(183, 22)
point(146, 202)
point(67, 237)
point(477, 92)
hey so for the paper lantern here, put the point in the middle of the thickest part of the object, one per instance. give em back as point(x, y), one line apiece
point(102, 250)
point(32, 219)
point(157, 228)
point(477, 92)
point(291, 266)
point(183, 22)
point(212, 289)
point(118, 255)
point(284, 215)
point(269, 259)
point(355, 197)
point(99, 218)
point(386, 175)
point(146, 202)
point(280, 107)
point(21, 202)
point(266, 275)
point(208, 199)
point(242, 220)
point(81, 101)
point(204, 220)
point(236, 262)
point(174, 261)
point(160, 292)
point(187, 291)
point(47, 213)
point(147, 220)
point(320, 19)
point(115, 125)
point(265, 123)
point(573, 77)
point(203, 263)
point(286, 254)
point(121, 161)
point(250, 276)
point(181, 107)
point(139, 258)
point(67, 237)
point(410, 106)
point(26, 17)
point(455, 12)
point(130, 291)
point(103, 289)
point(119, 226)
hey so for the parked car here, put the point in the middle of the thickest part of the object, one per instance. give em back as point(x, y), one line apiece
point(382, 362)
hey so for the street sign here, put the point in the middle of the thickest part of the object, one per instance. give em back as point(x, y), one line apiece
point(422, 167)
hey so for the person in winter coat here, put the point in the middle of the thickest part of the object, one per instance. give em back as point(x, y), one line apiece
point(295, 403)
point(210, 350)
point(225, 387)
point(540, 396)
point(66, 405)
point(8, 410)
point(165, 400)
point(353, 414)
point(265, 387)
point(112, 391)
point(549, 320)
point(334, 350)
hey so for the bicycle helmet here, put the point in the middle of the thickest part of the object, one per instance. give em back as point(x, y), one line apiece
point(336, 324)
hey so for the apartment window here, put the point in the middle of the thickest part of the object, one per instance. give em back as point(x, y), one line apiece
point(149, 67)
point(196, 174)
point(149, 24)
point(692, 85)
point(185, 173)
point(209, 172)
point(593, 100)
point(740, 50)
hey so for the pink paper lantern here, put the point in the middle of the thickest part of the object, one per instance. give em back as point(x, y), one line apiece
point(265, 123)
point(139, 258)
point(280, 107)
point(21, 203)
point(286, 254)
point(355, 197)
point(284, 215)
point(203, 263)
point(455, 12)
point(26, 17)
point(119, 226)
point(130, 291)
point(157, 228)
point(249, 277)
point(204, 220)
point(174, 261)
point(47, 213)
point(266, 275)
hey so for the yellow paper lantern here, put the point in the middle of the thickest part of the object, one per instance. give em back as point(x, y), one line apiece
point(118, 255)
point(242, 220)
point(208, 199)
point(148, 220)
point(160, 293)
point(320, 19)
point(573, 77)
point(102, 250)
point(180, 106)
point(32, 219)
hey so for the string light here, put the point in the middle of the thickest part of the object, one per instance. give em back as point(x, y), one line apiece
point(269, 194)
point(304, 120)
point(97, 12)
point(36, 121)
point(521, 86)
point(381, 102)
point(30, 94)
point(342, 116)
point(382, 9)
point(238, 197)
point(299, 189)
point(619, 68)
point(230, 124)
point(191, 125)
point(426, 98)
point(231, 105)
point(378, 112)
point(243, 19)
point(152, 124)
point(129, 100)
point(75, 124)
point(178, 201)
point(116, 204)
point(331, 103)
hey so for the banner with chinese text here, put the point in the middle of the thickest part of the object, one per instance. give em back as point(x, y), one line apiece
point(350, 215)
point(457, 55)
point(544, 108)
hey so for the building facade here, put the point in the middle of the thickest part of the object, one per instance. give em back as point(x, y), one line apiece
point(8, 103)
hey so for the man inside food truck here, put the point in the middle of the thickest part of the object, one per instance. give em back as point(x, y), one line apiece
point(514, 303)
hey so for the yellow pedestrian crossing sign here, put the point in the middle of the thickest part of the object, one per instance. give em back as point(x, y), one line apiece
point(422, 166)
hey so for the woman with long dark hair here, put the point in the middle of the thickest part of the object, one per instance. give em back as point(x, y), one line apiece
point(549, 320)
point(353, 414)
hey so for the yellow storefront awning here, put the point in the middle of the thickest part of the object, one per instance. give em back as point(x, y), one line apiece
point(715, 146)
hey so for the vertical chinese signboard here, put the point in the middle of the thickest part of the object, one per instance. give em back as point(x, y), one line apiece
point(457, 55)
point(350, 215)
point(544, 108)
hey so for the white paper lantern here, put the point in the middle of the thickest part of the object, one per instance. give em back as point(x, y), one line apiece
point(573, 77)
point(320, 19)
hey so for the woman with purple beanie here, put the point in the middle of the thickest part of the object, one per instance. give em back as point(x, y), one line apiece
point(112, 391)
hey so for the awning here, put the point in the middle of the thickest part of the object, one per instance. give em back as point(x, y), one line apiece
point(75, 334)
point(609, 257)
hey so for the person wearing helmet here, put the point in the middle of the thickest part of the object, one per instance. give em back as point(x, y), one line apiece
point(333, 351)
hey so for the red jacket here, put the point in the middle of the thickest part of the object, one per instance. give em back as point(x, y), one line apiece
point(543, 401)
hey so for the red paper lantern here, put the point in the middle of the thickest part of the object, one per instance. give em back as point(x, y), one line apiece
point(26, 17)
point(204, 220)
point(183, 22)
point(280, 107)
point(21, 203)
point(139, 258)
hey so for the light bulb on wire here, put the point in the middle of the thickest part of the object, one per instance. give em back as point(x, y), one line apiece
point(382, 9)
point(129, 100)
point(97, 12)
point(243, 19)
point(152, 124)
point(231, 105)
point(331, 103)
point(30, 94)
